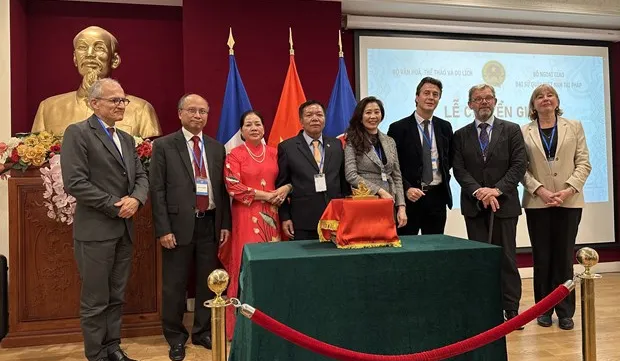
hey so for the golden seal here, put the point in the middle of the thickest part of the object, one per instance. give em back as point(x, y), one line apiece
point(493, 73)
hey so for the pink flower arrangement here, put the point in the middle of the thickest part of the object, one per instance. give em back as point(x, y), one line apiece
point(60, 205)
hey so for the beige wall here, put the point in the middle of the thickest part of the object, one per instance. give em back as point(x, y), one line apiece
point(5, 116)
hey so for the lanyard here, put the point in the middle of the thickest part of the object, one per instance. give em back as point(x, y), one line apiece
point(429, 140)
point(199, 164)
point(544, 139)
point(105, 129)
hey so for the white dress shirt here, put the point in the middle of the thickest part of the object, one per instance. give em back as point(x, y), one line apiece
point(115, 138)
point(489, 128)
point(190, 148)
point(434, 152)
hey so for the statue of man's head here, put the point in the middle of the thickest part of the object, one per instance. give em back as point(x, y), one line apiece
point(95, 54)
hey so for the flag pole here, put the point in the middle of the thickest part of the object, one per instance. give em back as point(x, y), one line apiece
point(290, 41)
point(231, 42)
point(340, 53)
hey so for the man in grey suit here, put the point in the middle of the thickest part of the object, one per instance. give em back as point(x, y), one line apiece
point(489, 162)
point(191, 215)
point(101, 169)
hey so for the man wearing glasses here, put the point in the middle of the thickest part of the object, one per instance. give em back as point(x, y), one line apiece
point(101, 169)
point(489, 162)
point(191, 217)
point(95, 55)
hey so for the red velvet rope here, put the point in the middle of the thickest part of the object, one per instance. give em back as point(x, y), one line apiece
point(442, 353)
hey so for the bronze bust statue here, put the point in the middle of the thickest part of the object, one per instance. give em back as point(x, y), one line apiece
point(95, 54)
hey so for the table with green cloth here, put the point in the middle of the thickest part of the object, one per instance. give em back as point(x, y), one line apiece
point(433, 291)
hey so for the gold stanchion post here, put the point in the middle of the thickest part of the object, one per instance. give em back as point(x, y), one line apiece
point(588, 258)
point(217, 282)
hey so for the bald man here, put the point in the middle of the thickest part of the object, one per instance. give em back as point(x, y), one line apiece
point(191, 216)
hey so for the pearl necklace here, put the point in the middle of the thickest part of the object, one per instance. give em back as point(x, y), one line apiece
point(256, 157)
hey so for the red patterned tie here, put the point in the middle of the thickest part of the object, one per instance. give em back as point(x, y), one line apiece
point(202, 202)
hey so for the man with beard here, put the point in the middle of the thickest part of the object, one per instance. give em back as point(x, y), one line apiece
point(95, 54)
point(425, 162)
point(489, 162)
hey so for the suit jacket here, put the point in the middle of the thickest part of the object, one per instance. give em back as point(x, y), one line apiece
point(94, 172)
point(173, 188)
point(367, 168)
point(297, 166)
point(570, 167)
point(406, 135)
point(504, 167)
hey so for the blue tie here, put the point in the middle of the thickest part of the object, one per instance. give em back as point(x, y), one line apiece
point(484, 139)
point(427, 162)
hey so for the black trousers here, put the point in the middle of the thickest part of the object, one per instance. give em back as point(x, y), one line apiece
point(104, 268)
point(504, 235)
point(552, 233)
point(176, 265)
point(427, 214)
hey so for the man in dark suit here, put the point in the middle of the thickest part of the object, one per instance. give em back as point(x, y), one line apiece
point(489, 162)
point(424, 145)
point(314, 165)
point(101, 169)
point(191, 214)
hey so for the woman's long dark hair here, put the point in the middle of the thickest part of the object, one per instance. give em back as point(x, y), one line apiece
point(357, 135)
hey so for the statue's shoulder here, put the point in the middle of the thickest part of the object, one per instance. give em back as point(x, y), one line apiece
point(59, 99)
point(137, 101)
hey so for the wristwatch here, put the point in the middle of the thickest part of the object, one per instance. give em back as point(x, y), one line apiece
point(499, 191)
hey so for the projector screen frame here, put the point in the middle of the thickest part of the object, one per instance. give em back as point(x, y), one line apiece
point(614, 108)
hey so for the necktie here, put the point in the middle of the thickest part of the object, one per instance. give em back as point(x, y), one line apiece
point(202, 202)
point(484, 139)
point(111, 132)
point(316, 152)
point(427, 162)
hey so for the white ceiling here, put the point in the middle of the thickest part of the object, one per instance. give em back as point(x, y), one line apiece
point(596, 14)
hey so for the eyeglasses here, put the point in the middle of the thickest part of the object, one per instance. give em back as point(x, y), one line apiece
point(117, 101)
point(480, 100)
point(193, 111)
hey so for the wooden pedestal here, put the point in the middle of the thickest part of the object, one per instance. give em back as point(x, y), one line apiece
point(44, 284)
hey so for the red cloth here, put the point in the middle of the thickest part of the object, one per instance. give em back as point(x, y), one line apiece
point(359, 223)
point(202, 202)
point(255, 221)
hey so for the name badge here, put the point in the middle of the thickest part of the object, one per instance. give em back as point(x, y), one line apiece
point(435, 164)
point(202, 186)
point(319, 183)
point(384, 177)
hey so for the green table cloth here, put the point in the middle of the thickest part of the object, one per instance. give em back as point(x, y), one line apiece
point(434, 291)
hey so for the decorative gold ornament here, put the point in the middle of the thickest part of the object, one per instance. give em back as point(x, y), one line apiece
point(217, 282)
point(493, 73)
point(588, 258)
point(95, 55)
point(362, 192)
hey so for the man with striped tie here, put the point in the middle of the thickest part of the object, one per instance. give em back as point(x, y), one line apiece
point(489, 162)
point(314, 165)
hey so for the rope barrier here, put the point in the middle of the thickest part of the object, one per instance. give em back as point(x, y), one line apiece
point(442, 353)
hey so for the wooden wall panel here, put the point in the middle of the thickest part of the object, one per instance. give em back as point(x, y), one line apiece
point(44, 284)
